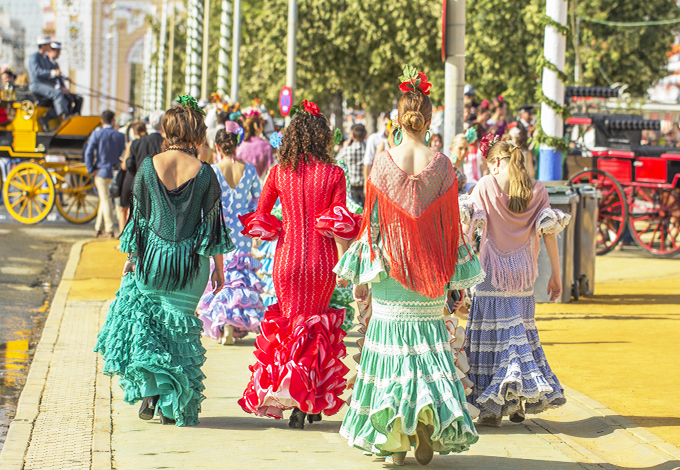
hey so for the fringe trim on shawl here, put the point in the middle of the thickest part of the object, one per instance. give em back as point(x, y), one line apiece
point(512, 271)
point(421, 251)
point(180, 260)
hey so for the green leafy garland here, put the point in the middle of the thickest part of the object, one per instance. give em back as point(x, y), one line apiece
point(557, 143)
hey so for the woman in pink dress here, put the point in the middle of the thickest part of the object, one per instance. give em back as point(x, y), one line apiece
point(254, 149)
point(299, 352)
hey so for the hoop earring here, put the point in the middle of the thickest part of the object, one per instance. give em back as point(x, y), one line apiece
point(428, 136)
point(398, 137)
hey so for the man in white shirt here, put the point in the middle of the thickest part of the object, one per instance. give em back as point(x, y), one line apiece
point(371, 146)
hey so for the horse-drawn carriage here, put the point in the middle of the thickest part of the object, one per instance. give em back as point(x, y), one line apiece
point(640, 184)
point(43, 169)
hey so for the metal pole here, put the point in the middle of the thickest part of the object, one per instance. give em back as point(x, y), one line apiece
point(550, 159)
point(454, 69)
point(236, 46)
point(222, 72)
point(197, 49)
point(190, 45)
point(171, 59)
point(206, 43)
point(161, 54)
point(291, 73)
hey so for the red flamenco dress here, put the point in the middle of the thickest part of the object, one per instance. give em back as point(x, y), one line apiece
point(300, 349)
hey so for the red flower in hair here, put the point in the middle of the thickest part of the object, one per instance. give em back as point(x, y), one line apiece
point(311, 108)
point(413, 79)
point(488, 141)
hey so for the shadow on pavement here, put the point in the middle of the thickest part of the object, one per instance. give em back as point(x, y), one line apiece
point(254, 423)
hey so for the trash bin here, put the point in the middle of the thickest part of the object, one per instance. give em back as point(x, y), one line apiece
point(585, 239)
point(564, 198)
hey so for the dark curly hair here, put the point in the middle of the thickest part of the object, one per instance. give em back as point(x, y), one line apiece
point(227, 142)
point(307, 138)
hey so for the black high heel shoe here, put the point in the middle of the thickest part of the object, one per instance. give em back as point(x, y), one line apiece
point(297, 419)
point(148, 407)
point(164, 420)
point(313, 418)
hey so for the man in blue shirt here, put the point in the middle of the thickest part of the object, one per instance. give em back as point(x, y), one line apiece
point(43, 80)
point(102, 154)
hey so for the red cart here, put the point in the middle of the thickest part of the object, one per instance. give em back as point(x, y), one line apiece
point(640, 184)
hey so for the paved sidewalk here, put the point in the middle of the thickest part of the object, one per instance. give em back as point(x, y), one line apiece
point(70, 416)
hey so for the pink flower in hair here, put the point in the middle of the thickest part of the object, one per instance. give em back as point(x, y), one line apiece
point(231, 127)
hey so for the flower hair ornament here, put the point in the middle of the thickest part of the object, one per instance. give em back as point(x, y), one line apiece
point(487, 142)
point(412, 80)
point(305, 107)
point(231, 127)
point(253, 112)
point(190, 102)
point(471, 135)
point(276, 139)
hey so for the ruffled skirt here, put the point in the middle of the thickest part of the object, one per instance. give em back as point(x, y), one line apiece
point(299, 364)
point(152, 340)
point(406, 375)
point(507, 362)
point(266, 253)
point(238, 304)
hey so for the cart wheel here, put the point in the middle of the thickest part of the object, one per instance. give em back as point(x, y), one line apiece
point(613, 211)
point(28, 193)
point(77, 199)
point(28, 109)
point(655, 220)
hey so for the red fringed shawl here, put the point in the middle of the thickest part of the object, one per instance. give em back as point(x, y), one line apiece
point(418, 222)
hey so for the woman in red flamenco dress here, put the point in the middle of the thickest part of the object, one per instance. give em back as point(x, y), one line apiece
point(300, 349)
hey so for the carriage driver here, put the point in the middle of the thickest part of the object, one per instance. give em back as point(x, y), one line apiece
point(75, 102)
point(43, 82)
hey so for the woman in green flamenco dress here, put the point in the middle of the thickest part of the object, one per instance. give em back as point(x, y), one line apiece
point(407, 392)
point(151, 338)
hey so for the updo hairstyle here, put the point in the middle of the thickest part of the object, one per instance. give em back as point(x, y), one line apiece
point(227, 142)
point(307, 138)
point(183, 124)
point(415, 109)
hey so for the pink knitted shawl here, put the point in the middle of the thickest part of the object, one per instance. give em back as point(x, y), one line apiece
point(510, 244)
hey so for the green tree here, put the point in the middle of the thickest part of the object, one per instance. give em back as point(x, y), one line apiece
point(635, 56)
point(504, 40)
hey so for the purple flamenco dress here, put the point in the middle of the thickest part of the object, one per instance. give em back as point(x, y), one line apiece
point(239, 304)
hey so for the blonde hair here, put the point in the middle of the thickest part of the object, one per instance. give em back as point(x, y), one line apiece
point(521, 184)
point(459, 137)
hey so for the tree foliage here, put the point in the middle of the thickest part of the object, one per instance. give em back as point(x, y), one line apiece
point(505, 39)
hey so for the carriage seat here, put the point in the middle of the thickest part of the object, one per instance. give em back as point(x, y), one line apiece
point(33, 98)
point(653, 151)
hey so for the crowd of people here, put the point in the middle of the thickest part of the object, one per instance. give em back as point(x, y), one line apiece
point(219, 215)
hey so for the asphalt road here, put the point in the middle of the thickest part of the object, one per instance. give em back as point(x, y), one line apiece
point(32, 259)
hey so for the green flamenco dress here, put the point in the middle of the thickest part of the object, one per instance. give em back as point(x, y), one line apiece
point(407, 372)
point(151, 337)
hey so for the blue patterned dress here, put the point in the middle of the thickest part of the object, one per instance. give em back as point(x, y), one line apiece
point(507, 363)
point(239, 304)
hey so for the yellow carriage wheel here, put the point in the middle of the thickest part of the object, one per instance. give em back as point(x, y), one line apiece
point(28, 193)
point(77, 199)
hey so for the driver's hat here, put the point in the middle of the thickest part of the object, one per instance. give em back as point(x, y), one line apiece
point(42, 40)
point(55, 45)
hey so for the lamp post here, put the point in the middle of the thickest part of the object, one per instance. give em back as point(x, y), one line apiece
point(292, 50)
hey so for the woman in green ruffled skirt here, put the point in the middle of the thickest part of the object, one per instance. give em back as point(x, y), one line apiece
point(151, 337)
point(407, 392)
